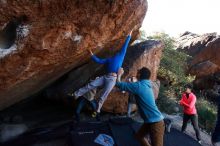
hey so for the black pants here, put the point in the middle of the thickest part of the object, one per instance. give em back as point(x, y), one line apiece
point(216, 133)
point(81, 103)
point(194, 120)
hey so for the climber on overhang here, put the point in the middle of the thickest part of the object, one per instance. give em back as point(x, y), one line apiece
point(107, 81)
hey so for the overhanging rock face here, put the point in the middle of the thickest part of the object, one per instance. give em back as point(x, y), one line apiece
point(59, 32)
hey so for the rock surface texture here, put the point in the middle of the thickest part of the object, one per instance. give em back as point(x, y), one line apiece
point(59, 33)
point(205, 61)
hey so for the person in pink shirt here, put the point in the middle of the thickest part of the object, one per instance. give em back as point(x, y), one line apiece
point(188, 102)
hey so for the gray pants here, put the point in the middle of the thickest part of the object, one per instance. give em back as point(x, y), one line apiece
point(107, 81)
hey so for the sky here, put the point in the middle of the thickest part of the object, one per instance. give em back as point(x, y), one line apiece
point(177, 16)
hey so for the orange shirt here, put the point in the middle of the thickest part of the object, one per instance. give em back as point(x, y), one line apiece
point(189, 104)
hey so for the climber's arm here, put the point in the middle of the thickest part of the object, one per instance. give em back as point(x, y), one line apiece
point(96, 59)
point(125, 46)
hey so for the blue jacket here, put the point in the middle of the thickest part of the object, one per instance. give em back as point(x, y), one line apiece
point(144, 98)
point(113, 64)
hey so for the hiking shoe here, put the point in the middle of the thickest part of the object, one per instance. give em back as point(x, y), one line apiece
point(70, 94)
point(73, 95)
point(94, 114)
point(168, 124)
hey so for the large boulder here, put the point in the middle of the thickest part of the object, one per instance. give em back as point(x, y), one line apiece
point(204, 68)
point(56, 37)
point(205, 59)
point(192, 43)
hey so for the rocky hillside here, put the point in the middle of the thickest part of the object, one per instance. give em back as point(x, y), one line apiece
point(55, 40)
point(205, 61)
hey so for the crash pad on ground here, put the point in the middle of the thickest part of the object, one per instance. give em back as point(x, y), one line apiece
point(84, 133)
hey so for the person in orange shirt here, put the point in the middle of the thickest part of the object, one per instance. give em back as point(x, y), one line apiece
point(188, 102)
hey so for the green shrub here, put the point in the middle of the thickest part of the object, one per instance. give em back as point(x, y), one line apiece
point(207, 114)
point(173, 63)
point(167, 101)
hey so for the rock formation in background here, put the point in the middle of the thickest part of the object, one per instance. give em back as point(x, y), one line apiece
point(60, 31)
point(205, 61)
